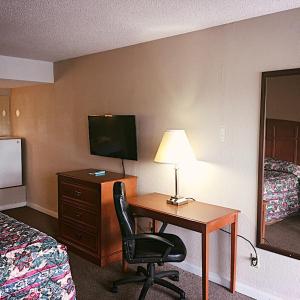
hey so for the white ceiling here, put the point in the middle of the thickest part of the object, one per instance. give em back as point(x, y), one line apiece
point(54, 30)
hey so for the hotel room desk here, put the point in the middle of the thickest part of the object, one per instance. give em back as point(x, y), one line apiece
point(196, 216)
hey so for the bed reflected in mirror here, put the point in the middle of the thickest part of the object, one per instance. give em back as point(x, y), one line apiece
point(279, 163)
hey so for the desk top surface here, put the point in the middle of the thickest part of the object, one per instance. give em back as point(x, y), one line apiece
point(86, 176)
point(194, 211)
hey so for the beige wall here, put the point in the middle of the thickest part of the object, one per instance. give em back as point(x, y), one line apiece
point(12, 197)
point(4, 106)
point(201, 82)
point(4, 118)
point(283, 98)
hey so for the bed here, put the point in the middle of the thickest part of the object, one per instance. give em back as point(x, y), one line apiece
point(33, 265)
point(281, 170)
point(281, 189)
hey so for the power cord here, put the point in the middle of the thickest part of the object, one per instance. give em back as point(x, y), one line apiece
point(254, 259)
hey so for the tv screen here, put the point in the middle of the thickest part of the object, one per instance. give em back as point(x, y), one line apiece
point(113, 136)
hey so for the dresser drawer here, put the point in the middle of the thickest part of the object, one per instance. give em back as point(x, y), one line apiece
point(79, 192)
point(71, 210)
point(78, 236)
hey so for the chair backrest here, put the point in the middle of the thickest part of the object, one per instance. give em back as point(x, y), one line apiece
point(125, 217)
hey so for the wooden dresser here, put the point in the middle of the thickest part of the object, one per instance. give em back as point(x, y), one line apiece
point(88, 223)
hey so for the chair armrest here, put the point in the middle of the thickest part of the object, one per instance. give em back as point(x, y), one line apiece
point(155, 238)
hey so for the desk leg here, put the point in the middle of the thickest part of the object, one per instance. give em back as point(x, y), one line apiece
point(205, 264)
point(234, 227)
point(124, 265)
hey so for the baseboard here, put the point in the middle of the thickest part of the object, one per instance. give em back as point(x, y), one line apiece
point(43, 210)
point(240, 287)
point(12, 205)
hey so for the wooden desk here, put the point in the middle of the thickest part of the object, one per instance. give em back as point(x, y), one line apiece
point(196, 216)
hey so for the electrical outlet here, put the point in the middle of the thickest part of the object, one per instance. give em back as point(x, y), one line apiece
point(254, 261)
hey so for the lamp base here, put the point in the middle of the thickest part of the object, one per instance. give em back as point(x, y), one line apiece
point(177, 200)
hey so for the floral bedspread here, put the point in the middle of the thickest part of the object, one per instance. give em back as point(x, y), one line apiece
point(282, 166)
point(281, 189)
point(32, 264)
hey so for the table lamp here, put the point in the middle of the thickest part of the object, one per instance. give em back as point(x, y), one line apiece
point(175, 149)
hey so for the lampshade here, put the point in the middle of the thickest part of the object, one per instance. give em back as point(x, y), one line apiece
point(174, 148)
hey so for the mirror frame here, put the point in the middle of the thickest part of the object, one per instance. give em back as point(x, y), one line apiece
point(262, 132)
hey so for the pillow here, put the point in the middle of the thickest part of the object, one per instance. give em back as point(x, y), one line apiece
point(282, 166)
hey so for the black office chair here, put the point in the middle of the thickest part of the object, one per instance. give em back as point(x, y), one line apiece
point(147, 248)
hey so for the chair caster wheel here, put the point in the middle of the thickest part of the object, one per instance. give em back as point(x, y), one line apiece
point(174, 278)
point(114, 289)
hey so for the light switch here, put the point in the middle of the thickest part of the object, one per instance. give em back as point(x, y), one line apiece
point(18, 113)
point(222, 134)
point(3, 113)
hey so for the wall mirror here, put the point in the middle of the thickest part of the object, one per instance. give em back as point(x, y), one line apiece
point(279, 163)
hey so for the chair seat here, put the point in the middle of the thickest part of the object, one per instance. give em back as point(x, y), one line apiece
point(149, 250)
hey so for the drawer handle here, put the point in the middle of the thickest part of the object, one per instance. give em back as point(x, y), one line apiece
point(77, 193)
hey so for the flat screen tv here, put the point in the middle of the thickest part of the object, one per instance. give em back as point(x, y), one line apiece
point(113, 136)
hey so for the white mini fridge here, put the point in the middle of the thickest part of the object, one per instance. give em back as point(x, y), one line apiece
point(10, 162)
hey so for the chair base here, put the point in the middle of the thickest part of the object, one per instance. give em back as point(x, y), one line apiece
point(149, 277)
